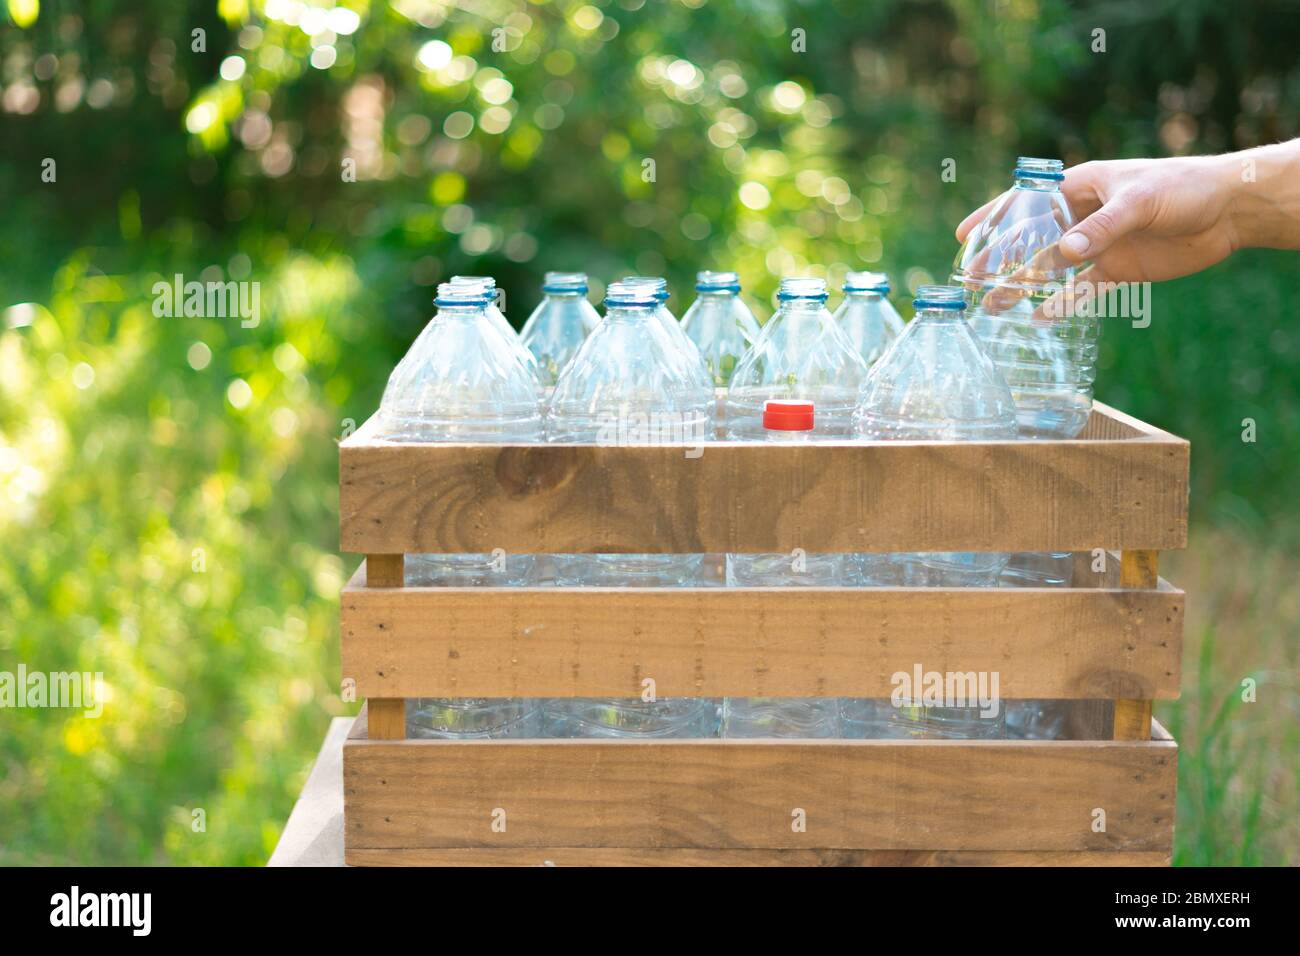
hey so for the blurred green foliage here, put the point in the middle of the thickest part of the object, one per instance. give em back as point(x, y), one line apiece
point(167, 485)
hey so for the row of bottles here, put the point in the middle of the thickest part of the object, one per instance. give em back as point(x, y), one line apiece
point(731, 717)
point(637, 375)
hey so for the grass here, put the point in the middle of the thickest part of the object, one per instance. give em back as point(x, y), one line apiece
point(1238, 776)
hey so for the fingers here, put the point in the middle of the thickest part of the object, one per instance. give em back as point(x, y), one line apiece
point(1044, 265)
point(974, 219)
point(1084, 187)
point(1125, 212)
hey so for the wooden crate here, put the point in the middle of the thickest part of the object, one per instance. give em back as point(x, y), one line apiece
point(1120, 488)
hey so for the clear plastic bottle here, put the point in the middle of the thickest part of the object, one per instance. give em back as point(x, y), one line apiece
point(749, 717)
point(880, 718)
point(626, 386)
point(801, 353)
point(630, 717)
point(720, 324)
point(1038, 569)
point(460, 382)
point(684, 352)
point(934, 383)
point(1010, 266)
point(1037, 719)
point(489, 286)
point(869, 320)
point(468, 718)
point(560, 323)
point(788, 421)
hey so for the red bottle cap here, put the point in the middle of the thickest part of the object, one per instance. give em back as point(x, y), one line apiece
point(788, 415)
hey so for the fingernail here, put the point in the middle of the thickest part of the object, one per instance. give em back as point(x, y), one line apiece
point(1076, 244)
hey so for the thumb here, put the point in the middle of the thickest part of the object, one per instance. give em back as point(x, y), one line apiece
point(1125, 212)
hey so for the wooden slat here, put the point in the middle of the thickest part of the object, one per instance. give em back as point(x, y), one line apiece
point(387, 718)
point(756, 497)
point(385, 570)
point(1105, 423)
point(715, 642)
point(688, 856)
point(1138, 569)
point(1109, 422)
point(860, 794)
point(387, 713)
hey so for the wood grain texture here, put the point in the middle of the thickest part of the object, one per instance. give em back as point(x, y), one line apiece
point(737, 794)
point(1138, 569)
point(1121, 492)
point(385, 570)
point(715, 642)
point(387, 714)
point(1132, 719)
point(387, 718)
point(690, 856)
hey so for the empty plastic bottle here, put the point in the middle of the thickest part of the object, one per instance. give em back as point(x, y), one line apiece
point(934, 383)
point(868, 319)
point(748, 717)
point(1038, 569)
point(801, 353)
point(785, 716)
point(880, 718)
point(460, 382)
point(1037, 719)
point(626, 385)
point(1010, 267)
point(790, 420)
point(684, 352)
point(630, 717)
point(489, 286)
point(720, 324)
point(560, 323)
point(473, 717)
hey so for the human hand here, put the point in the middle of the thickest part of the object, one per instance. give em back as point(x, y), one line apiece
point(1146, 220)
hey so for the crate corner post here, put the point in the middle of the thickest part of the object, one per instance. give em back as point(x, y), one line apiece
point(385, 716)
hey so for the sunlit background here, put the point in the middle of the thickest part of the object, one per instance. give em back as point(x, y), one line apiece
point(168, 485)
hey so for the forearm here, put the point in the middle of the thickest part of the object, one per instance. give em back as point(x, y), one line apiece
point(1263, 185)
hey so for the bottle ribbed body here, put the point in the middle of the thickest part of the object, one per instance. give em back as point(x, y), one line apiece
point(1019, 292)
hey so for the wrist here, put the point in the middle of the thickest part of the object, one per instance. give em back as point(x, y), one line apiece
point(1261, 187)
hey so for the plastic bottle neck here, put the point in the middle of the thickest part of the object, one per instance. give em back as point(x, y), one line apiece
point(631, 313)
point(939, 316)
point(1036, 184)
point(462, 313)
point(801, 306)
